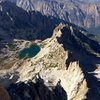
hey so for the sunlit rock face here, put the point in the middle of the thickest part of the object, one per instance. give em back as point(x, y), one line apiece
point(56, 65)
point(52, 70)
point(63, 69)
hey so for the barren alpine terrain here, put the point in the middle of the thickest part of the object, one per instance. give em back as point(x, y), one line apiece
point(47, 51)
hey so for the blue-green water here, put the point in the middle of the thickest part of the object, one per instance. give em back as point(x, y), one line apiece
point(30, 52)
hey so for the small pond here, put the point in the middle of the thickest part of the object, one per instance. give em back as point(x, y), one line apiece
point(32, 51)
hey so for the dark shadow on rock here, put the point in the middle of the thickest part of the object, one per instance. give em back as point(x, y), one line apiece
point(75, 48)
point(74, 38)
point(36, 91)
point(59, 92)
point(94, 87)
point(71, 58)
point(9, 79)
point(26, 25)
point(77, 52)
point(87, 61)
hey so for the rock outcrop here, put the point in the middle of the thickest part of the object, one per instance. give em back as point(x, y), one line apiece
point(50, 65)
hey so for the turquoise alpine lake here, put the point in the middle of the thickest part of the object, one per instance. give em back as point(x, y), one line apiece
point(32, 51)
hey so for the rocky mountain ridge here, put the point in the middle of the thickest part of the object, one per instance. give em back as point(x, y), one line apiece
point(86, 15)
point(61, 70)
point(48, 66)
point(45, 67)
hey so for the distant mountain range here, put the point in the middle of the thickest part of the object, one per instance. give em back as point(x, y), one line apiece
point(84, 13)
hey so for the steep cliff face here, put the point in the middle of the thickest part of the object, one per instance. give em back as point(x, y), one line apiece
point(19, 24)
point(75, 11)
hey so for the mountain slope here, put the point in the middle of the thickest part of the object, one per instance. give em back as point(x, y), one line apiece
point(66, 65)
point(51, 67)
point(83, 14)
